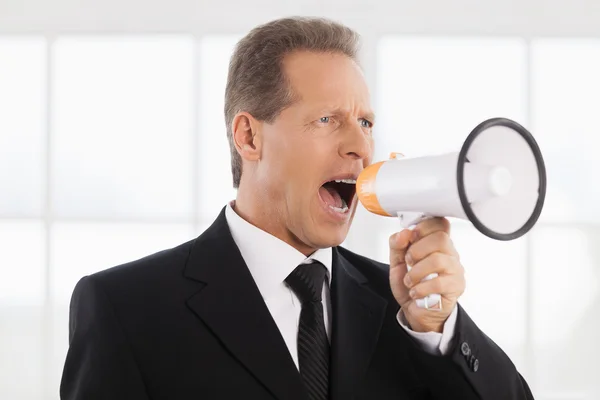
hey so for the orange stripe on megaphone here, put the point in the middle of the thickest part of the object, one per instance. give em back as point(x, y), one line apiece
point(365, 189)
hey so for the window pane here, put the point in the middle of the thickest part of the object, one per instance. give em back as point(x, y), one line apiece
point(123, 120)
point(21, 310)
point(22, 124)
point(566, 83)
point(215, 161)
point(491, 266)
point(82, 249)
point(432, 92)
point(566, 294)
point(22, 351)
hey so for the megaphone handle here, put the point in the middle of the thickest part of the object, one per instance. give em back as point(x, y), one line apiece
point(409, 220)
point(433, 299)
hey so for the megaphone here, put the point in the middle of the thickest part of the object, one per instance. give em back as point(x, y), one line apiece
point(497, 181)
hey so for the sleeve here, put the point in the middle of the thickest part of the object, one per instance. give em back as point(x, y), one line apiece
point(473, 368)
point(432, 342)
point(100, 362)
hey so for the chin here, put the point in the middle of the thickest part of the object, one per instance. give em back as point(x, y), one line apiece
point(331, 236)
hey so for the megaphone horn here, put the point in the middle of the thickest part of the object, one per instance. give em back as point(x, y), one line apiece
point(497, 181)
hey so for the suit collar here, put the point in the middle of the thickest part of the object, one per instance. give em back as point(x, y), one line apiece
point(269, 259)
point(229, 292)
point(232, 307)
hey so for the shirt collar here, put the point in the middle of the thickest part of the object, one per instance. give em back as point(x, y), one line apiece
point(269, 259)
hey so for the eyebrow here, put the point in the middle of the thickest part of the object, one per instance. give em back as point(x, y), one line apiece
point(369, 115)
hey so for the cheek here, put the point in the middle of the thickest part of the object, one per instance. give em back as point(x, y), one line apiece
point(277, 155)
point(369, 159)
point(306, 168)
point(283, 165)
point(281, 141)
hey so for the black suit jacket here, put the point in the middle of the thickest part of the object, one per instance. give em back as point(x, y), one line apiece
point(190, 323)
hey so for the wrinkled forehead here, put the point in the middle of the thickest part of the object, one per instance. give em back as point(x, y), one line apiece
point(327, 80)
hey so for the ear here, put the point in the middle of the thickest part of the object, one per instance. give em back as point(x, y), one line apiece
point(246, 136)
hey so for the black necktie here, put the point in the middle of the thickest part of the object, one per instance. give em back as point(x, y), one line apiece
point(313, 347)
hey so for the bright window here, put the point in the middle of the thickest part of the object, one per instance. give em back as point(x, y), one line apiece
point(22, 125)
point(123, 126)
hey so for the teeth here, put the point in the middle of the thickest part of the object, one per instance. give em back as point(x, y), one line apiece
point(341, 210)
point(350, 181)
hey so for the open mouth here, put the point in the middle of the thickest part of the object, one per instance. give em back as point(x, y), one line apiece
point(338, 194)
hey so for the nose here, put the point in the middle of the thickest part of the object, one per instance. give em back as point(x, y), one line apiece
point(356, 144)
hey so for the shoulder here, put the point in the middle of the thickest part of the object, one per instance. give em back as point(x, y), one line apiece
point(165, 265)
point(141, 277)
point(150, 266)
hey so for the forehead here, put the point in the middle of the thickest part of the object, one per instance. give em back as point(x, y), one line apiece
point(327, 78)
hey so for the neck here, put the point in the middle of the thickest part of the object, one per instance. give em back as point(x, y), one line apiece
point(260, 212)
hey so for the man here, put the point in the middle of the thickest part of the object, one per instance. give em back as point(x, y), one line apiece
point(265, 304)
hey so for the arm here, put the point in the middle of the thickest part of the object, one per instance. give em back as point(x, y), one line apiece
point(474, 364)
point(432, 342)
point(100, 362)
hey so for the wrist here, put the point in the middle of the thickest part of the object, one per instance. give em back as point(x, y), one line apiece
point(419, 326)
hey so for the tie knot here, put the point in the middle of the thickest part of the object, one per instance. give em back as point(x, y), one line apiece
point(307, 281)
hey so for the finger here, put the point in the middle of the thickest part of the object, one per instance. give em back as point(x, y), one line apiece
point(399, 243)
point(439, 263)
point(438, 241)
point(447, 286)
point(429, 226)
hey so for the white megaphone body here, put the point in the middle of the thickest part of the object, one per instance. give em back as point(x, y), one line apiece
point(497, 181)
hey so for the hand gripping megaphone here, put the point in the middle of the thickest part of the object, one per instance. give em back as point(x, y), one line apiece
point(497, 181)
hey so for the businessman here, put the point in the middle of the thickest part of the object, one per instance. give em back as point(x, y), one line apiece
point(265, 304)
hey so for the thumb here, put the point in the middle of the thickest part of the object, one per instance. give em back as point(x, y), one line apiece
point(399, 243)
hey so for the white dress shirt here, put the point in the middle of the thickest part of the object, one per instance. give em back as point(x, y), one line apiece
point(270, 260)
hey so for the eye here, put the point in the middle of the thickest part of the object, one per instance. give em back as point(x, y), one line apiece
point(324, 120)
point(365, 123)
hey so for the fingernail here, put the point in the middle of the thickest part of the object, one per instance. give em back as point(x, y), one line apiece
point(407, 281)
point(409, 259)
point(412, 293)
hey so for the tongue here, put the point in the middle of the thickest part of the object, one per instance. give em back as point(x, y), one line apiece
point(331, 196)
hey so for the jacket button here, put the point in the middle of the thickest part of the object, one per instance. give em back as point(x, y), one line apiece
point(465, 349)
point(471, 361)
point(475, 365)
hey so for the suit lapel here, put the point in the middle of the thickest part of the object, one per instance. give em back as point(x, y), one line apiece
point(358, 314)
point(233, 308)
